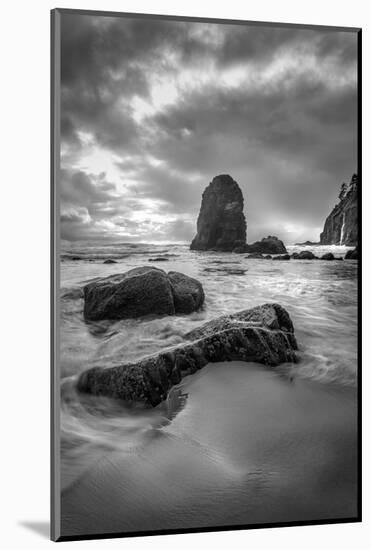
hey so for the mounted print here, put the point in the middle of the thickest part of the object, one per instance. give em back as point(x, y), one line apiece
point(206, 187)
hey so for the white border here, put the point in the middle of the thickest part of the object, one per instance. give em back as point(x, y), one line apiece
point(25, 267)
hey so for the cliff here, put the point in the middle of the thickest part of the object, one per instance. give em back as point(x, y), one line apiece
point(341, 226)
point(221, 223)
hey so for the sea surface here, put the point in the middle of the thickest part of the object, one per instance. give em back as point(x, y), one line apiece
point(211, 417)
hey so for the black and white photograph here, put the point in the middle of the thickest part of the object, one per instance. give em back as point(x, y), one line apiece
point(207, 188)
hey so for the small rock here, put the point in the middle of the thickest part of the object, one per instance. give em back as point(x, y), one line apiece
point(268, 245)
point(256, 256)
point(304, 255)
point(352, 254)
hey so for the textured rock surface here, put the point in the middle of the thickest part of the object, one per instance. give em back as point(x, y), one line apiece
point(141, 291)
point(264, 334)
point(268, 245)
point(341, 226)
point(221, 223)
point(188, 293)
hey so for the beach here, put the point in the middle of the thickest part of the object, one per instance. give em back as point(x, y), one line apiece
point(235, 443)
point(249, 445)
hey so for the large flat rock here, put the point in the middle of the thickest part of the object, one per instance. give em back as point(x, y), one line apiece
point(264, 334)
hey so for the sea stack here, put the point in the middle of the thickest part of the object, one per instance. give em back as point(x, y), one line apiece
point(341, 226)
point(221, 223)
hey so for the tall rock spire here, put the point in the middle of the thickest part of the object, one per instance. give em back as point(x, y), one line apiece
point(221, 223)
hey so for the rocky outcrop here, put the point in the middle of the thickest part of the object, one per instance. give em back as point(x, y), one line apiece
point(341, 226)
point(352, 254)
point(221, 223)
point(264, 334)
point(268, 245)
point(142, 291)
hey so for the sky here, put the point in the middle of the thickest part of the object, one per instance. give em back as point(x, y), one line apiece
point(152, 110)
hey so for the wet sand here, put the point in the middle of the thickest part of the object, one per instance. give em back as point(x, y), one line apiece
point(251, 445)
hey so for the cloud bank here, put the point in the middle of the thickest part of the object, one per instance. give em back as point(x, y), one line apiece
point(152, 110)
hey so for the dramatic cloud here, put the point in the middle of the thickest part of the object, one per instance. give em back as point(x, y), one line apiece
point(153, 109)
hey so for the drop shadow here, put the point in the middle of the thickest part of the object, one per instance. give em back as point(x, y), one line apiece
point(41, 528)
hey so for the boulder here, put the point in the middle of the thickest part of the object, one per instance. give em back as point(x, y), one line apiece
point(352, 254)
point(221, 223)
point(188, 294)
point(159, 259)
point(304, 255)
point(141, 291)
point(109, 261)
point(328, 256)
point(268, 245)
point(283, 257)
point(264, 334)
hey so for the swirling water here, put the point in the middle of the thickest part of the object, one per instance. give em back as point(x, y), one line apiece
point(321, 297)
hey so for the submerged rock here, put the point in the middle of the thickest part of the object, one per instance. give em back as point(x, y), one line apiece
point(283, 257)
point(304, 255)
point(221, 223)
point(341, 226)
point(268, 245)
point(225, 270)
point(159, 259)
point(141, 291)
point(264, 334)
point(328, 256)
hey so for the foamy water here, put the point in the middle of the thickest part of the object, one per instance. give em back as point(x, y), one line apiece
point(320, 296)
